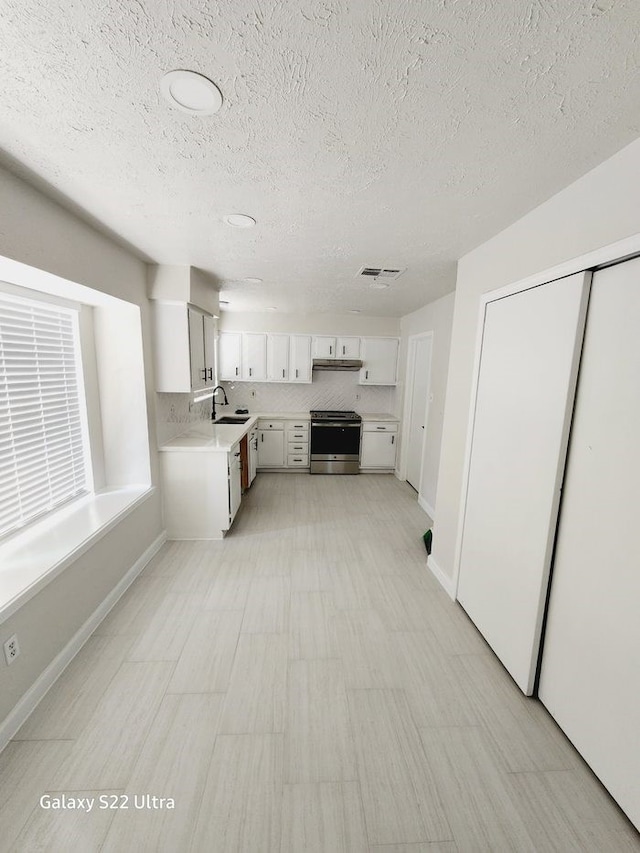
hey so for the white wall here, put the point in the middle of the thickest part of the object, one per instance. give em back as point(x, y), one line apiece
point(436, 317)
point(37, 231)
point(309, 324)
point(599, 209)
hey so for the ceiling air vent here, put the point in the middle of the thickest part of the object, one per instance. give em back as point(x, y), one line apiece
point(387, 273)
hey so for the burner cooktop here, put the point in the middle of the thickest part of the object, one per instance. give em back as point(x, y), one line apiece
point(334, 415)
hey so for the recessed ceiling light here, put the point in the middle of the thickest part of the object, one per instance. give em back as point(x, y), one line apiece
point(223, 302)
point(379, 285)
point(273, 308)
point(355, 311)
point(191, 92)
point(253, 280)
point(239, 220)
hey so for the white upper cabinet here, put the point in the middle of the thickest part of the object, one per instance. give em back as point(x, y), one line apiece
point(278, 358)
point(380, 361)
point(348, 347)
point(184, 348)
point(300, 358)
point(325, 346)
point(254, 357)
point(230, 354)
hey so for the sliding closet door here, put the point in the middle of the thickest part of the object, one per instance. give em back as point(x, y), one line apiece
point(590, 678)
point(530, 350)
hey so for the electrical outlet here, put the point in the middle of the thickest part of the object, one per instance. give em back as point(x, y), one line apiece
point(357, 397)
point(11, 649)
point(252, 393)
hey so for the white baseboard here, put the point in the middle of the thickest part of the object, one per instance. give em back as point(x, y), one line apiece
point(28, 702)
point(444, 580)
point(427, 508)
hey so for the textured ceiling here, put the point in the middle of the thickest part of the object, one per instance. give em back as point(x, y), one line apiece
point(370, 132)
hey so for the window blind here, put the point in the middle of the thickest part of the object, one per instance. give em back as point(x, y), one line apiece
point(42, 432)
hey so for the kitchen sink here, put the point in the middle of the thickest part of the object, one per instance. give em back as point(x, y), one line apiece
point(229, 419)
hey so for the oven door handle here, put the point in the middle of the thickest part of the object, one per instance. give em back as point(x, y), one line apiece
point(334, 424)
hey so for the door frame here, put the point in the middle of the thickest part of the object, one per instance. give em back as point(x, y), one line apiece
point(412, 346)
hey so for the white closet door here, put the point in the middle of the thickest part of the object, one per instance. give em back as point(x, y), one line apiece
point(590, 677)
point(530, 350)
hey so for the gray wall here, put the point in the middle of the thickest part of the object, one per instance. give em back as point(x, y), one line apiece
point(39, 232)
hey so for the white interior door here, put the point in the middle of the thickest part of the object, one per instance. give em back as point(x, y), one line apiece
point(417, 418)
point(590, 676)
point(530, 351)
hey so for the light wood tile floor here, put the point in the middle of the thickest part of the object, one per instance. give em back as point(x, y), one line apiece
point(304, 685)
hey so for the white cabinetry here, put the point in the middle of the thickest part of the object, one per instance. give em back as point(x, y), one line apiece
point(300, 358)
point(297, 444)
point(201, 493)
point(253, 454)
point(184, 348)
point(380, 361)
point(235, 483)
point(270, 444)
point(283, 443)
point(348, 347)
point(325, 346)
point(278, 358)
point(230, 354)
point(379, 445)
point(254, 357)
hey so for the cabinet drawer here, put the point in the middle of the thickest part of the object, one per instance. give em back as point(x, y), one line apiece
point(270, 424)
point(298, 447)
point(298, 426)
point(297, 435)
point(298, 460)
point(375, 426)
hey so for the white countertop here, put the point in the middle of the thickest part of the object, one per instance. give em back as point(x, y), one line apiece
point(379, 416)
point(207, 436)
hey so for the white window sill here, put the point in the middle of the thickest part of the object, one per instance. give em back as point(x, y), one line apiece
point(32, 558)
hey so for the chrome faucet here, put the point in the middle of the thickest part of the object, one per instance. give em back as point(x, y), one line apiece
point(213, 400)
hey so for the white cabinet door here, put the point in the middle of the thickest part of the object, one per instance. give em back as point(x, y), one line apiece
point(530, 351)
point(254, 357)
point(380, 361)
point(323, 346)
point(253, 455)
point(348, 347)
point(378, 450)
point(210, 349)
point(300, 358)
point(271, 448)
point(590, 677)
point(235, 482)
point(196, 350)
point(230, 344)
point(277, 358)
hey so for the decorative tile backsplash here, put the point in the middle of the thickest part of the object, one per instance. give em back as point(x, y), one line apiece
point(174, 414)
point(328, 390)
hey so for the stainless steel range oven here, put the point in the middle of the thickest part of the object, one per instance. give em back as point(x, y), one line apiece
point(335, 442)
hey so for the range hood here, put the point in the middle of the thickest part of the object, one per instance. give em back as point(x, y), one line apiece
point(337, 364)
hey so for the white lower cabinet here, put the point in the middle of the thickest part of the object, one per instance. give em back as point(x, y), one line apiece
point(379, 445)
point(253, 454)
point(283, 444)
point(235, 481)
point(270, 444)
point(201, 494)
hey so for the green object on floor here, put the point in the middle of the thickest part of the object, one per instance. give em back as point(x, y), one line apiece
point(428, 537)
